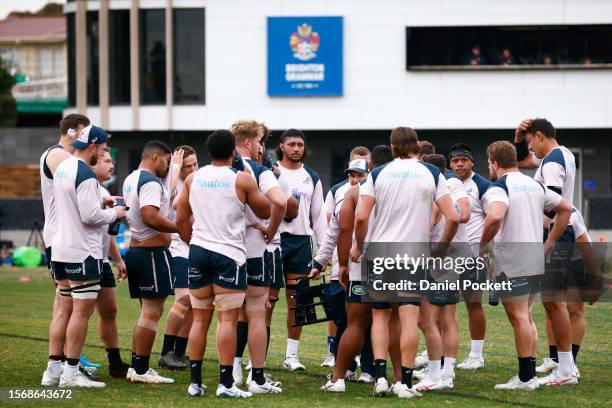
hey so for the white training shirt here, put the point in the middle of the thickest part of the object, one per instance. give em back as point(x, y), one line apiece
point(265, 179)
point(335, 195)
point(79, 213)
point(219, 215)
point(141, 188)
point(519, 250)
point(305, 186)
point(106, 237)
point(475, 187)
point(48, 197)
point(404, 190)
point(558, 169)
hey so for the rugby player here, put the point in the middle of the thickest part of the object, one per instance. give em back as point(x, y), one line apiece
point(296, 236)
point(106, 303)
point(148, 259)
point(77, 245)
point(183, 162)
point(70, 127)
point(216, 196)
point(334, 196)
point(400, 189)
point(556, 169)
point(515, 205)
point(462, 164)
point(441, 305)
point(251, 326)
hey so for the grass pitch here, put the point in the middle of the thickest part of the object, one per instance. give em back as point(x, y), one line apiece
point(25, 312)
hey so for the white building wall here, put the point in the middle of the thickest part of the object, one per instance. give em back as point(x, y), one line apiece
point(379, 93)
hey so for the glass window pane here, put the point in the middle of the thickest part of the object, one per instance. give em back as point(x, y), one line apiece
point(152, 57)
point(92, 58)
point(188, 26)
point(119, 57)
point(71, 46)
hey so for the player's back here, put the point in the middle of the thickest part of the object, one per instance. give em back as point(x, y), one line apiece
point(48, 197)
point(558, 169)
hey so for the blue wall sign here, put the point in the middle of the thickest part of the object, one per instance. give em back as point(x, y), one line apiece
point(305, 56)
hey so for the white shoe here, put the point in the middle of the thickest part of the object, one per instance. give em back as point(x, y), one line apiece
point(471, 363)
point(381, 387)
point(395, 387)
point(237, 374)
point(365, 378)
point(265, 388)
point(234, 392)
point(130, 373)
point(516, 384)
point(50, 380)
point(292, 363)
point(421, 359)
point(548, 365)
point(79, 381)
point(195, 390)
point(449, 383)
point(421, 374)
point(338, 386)
point(330, 360)
point(350, 376)
point(150, 377)
point(271, 380)
point(404, 392)
point(556, 380)
point(427, 384)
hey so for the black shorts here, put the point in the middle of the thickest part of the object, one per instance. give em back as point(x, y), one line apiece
point(179, 272)
point(355, 291)
point(257, 273)
point(208, 267)
point(442, 297)
point(108, 278)
point(388, 305)
point(88, 270)
point(520, 286)
point(49, 264)
point(297, 253)
point(274, 267)
point(149, 272)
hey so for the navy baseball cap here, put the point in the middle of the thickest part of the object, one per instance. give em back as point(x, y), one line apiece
point(90, 135)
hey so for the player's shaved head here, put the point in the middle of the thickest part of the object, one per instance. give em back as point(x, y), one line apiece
point(154, 147)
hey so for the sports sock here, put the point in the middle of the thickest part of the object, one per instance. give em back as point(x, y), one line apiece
point(353, 366)
point(140, 363)
point(168, 344)
point(292, 348)
point(71, 368)
point(242, 337)
point(575, 350)
point(533, 366)
point(407, 376)
point(435, 371)
point(258, 376)
point(225, 376)
point(196, 371)
point(476, 348)
point(54, 367)
point(552, 353)
point(380, 368)
point(566, 363)
point(113, 355)
point(180, 345)
point(331, 345)
point(448, 370)
point(525, 369)
point(442, 361)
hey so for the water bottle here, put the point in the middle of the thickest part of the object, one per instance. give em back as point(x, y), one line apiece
point(113, 228)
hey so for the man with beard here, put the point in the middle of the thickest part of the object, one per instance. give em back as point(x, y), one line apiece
point(77, 245)
point(296, 236)
point(148, 258)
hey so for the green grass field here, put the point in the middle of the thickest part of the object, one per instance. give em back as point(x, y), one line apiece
point(26, 311)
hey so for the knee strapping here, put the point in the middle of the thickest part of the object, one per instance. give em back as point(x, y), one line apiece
point(66, 292)
point(87, 290)
point(179, 310)
point(228, 301)
point(198, 303)
point(254, 303)
point(148, 321)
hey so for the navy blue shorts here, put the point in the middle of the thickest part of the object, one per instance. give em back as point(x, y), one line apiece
point(257, 273)
point(179, 272)
point(108, 278)
point(88, 270)
point(149, 272)
point(208, 267)
point(274, 267)
point(521, 286)
point(355, 291)
point(297, 253)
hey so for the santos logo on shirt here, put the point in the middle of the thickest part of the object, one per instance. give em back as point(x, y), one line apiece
point(524, 188)
point(212, 184)
point(403, 175)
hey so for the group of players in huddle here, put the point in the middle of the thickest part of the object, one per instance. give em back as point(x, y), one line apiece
point(229, 235)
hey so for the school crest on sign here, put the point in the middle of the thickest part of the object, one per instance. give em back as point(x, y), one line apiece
point(304, 43)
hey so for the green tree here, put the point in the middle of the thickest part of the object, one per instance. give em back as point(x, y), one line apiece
point(8, 106)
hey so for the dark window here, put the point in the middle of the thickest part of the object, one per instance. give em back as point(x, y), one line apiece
point(188, 27)
point(152, 56)
point(119, 57)
point(526, 47)
point(70, 39)
point(93, 85)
